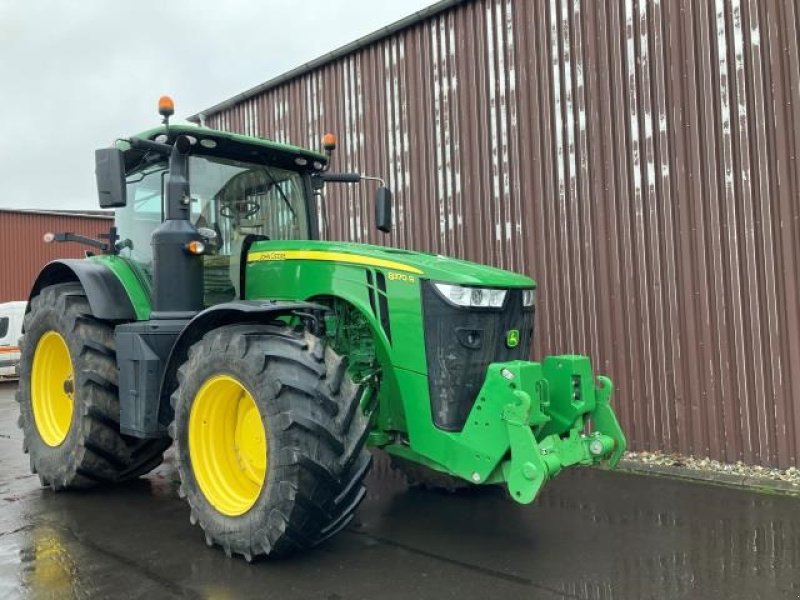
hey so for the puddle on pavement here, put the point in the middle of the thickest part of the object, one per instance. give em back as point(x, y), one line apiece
point(46, 565)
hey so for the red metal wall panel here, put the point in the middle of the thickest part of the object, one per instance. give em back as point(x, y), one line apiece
point(638, 158)
point(23, 253)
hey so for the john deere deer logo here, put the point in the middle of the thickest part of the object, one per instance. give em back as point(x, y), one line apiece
point(512, 338)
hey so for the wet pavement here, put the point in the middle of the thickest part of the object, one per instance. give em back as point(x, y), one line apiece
point(592, 534)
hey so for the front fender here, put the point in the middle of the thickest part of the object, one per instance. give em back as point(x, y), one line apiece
point(227, 313)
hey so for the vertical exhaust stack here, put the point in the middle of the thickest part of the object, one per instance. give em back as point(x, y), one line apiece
point(177, 246)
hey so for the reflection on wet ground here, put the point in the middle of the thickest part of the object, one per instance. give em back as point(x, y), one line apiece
point(592, 535)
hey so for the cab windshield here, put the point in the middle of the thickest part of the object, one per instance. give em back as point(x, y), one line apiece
point(237, 199)
point(232, 199)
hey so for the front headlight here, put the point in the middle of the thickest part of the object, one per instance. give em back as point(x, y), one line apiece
point(471, 297)
point(528, 297)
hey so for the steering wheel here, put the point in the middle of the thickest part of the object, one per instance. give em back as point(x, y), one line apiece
point(242, 209)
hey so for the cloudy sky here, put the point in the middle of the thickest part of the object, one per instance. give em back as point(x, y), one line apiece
point(74, 75)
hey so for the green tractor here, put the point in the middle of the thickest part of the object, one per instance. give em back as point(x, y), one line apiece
point(213, 317)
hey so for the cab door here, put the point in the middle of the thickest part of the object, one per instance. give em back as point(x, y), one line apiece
point(239, 200)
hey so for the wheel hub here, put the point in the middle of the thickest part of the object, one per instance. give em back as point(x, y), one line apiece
point(52, 388)
point(227, 445)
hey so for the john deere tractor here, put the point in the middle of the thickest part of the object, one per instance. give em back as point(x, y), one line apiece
point(212, 317)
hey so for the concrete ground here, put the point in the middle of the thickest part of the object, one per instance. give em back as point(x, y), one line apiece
point(592, 534)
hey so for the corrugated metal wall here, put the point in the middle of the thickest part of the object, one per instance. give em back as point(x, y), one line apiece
point(638, 158)
point(23, 253)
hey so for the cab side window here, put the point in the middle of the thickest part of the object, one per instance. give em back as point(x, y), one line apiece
point(3, 327)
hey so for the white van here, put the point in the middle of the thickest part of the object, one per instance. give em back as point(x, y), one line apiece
point(11, 315)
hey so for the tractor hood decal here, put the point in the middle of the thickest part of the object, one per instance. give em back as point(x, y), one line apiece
point(432, 266)
point(342, 257)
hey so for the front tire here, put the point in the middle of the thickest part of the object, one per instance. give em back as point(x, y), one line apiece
point(68, 397)
point(270, 439)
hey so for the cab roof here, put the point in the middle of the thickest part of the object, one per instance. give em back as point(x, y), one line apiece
point(236, 145)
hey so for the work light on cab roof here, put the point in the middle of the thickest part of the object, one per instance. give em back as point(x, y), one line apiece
point(329, 142)
point(166, 107)
point(328, 145)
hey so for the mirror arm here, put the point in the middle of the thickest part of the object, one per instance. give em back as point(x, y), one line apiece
point(80, 239)
point(112, 246)
point(339, 177)
point(373, 178)
point(347, 178)
point(383, 197)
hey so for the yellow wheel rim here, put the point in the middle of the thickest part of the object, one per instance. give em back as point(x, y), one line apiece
point(227, 445)
point(52, 388)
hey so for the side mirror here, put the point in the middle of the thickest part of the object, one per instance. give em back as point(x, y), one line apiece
point(383, 209)
point(110, 172)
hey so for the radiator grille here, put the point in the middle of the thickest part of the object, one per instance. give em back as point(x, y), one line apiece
point(460, 343)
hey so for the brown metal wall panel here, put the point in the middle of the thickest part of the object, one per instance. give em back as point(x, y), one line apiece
point(638, 158)
point(23, 253)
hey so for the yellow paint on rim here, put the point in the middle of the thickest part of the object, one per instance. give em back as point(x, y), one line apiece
point(227, 445)
point(52, 388)
point(342, 257)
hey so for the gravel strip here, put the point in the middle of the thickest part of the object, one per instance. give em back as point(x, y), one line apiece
point(754, 476)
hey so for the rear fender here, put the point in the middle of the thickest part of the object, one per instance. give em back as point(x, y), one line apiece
point(107, 296)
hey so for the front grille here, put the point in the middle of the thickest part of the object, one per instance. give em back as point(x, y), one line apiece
point(460, 344)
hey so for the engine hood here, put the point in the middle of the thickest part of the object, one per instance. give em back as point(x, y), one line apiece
point(421, 264)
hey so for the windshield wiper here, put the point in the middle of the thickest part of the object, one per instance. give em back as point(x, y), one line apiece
point(283, 194)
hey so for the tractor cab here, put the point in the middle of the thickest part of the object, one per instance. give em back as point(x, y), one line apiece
point(240, 190)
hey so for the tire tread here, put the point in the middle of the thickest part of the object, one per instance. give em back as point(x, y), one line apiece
point(317, 469)
point(99, 452)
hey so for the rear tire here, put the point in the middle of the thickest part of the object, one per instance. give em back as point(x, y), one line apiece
point(314, 430)
point(82, 445)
